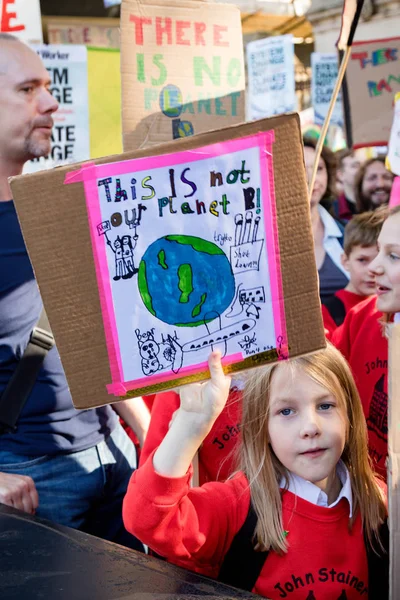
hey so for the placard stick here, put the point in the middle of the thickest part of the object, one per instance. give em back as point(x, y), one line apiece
point(324, 131)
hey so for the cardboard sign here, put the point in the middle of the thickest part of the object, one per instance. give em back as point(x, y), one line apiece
point(324, 73)
point(68, 268)
point(22, 19)
point(394, 459)
point(67, 66)
point(393, 156)
point(182, 69)
point(372, 80)
point(180, 263)
point(271, 84)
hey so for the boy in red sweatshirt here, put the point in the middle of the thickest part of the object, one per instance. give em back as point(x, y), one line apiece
point(360, 249)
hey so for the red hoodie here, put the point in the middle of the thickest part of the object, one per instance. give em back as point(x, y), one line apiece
point(349, 300)
point(217, 453)
point(361, 340)
point(195, 528)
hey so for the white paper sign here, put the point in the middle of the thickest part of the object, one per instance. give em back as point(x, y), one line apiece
point(393, 156)
point(324, 74)
point(271, 83)
point(22, 19)
point(187, 260)
point(67, 66)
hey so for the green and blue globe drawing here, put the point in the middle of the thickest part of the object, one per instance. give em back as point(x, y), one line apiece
point(185, 281)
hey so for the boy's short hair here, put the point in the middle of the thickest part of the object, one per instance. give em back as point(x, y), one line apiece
point(340, 155)
point(364, 229)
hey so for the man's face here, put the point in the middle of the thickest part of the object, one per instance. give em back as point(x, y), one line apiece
point(26, 104)
point(377, 184)
point(348, 170)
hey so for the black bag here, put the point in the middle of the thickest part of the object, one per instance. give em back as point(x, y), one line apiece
point(14, 397)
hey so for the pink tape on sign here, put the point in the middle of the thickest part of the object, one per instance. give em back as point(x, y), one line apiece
point(395, 193)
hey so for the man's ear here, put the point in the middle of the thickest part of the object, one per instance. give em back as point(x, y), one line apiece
point(344, 259)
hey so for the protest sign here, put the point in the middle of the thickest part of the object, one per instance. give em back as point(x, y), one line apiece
point(202, 222)
point(104, 82)
point(182, 69)
point(22, 19)
point(67, 66)
point(393, 156)
point(372, 79)
point(324, 74)
point(145, 225)
point(271, 84)
point(93, 31)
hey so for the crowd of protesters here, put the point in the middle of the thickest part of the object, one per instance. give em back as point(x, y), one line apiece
point(291, 465)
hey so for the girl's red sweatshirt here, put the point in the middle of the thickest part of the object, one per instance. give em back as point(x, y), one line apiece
point(194, 528)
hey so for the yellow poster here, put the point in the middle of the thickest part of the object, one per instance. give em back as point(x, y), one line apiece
point(104, 81)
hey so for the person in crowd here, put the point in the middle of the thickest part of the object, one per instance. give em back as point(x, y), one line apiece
point(362, 340)
point(69, 466)
point(373, 185)
point(348, 165)
point(327, 232)
point(305, 500)
point(360, 249)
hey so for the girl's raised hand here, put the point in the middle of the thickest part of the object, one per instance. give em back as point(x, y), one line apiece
point(201, 403)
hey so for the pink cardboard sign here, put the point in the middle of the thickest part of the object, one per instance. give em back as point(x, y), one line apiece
point(187, 260)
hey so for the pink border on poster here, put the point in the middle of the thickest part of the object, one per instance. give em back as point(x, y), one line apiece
point(90, 173)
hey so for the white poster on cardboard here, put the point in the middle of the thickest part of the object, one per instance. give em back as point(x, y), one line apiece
point(271, 82)
point(67, 65)
point(324, 74)
point(393, 156)
point(22, 19)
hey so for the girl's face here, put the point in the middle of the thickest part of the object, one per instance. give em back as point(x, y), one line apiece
point(386, 266)
point(306, 426)
point(321, 180)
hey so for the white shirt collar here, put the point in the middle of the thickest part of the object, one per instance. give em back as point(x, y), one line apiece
point(397, 317)
point(312, 493)
point(331, 228)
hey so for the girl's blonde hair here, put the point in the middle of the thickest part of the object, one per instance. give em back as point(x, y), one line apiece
point(264, 471)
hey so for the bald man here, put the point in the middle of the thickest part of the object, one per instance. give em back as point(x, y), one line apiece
point(69, 466)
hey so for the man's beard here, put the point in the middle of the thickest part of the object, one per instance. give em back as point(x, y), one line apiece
point(35, 148)
point(36, 143)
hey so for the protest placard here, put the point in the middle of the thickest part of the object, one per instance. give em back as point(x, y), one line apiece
point(22, 19)
point(182, 69)
point(202, 223)
point(161, 255)
point(70, 140)
point(271, 83)
point(372, 79)
point(393, 156)
point(324, 73)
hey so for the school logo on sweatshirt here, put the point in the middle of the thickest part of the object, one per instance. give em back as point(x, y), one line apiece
point(377, 420)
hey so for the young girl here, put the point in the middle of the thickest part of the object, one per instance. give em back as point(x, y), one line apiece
point(304, 469)
point(361, 338)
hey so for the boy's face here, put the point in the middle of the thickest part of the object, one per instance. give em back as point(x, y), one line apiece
point(362, 281)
